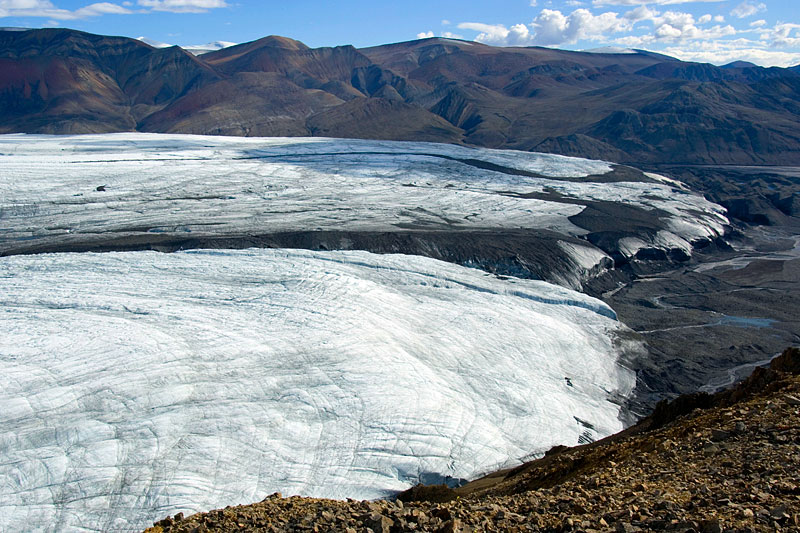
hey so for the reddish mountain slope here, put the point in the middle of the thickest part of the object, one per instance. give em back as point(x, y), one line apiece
point(640, 107)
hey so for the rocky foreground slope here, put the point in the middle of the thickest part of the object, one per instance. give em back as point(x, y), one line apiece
point(727, 462)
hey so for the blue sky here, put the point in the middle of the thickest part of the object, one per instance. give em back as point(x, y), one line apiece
point(766, 32)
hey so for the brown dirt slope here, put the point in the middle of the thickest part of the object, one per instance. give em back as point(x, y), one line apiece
point(702, 463)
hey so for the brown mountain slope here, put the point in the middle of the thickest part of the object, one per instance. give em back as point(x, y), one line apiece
point(633, 108)
point(64, 81)
point(727, 462)
point(246, 104)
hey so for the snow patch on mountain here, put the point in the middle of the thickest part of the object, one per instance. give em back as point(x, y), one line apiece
point(610, 50)
point(137, 385)
point(198, 49)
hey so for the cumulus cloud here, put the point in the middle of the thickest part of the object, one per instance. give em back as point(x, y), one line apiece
point(46, 9)
point(641, 13)
point(553, 27)
point(646, 2)
point(550, 27)
point(783, 35)
point(675, 26)
point(102, 8)
point(747, 9)
point(446, 35)
point(498, 34)
point(182, 6)
point(722, 52)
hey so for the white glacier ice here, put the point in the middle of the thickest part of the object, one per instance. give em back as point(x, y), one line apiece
point(197, 186)
point(136, 385)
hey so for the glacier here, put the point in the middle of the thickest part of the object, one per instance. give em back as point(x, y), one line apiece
point(74, 192)
point(135, 385)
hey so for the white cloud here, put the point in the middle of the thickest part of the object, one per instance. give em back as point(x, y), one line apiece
point(634, 41)
point(722, 52)
point(46, 9)
point(445, 22)
point(102, 8)
point(785, 34)
point(668, 31)
point(747, 9)
point(702, 37)
point(183, 6)
point(488, 33)
point(640, 13)
point(446, 35)
point(550, 27)
point(674, 26)
point(646, 2)
point(498, 34)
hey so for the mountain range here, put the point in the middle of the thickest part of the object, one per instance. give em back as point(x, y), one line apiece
point(639, 107)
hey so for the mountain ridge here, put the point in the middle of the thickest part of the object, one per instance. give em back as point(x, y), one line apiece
point(628, 108)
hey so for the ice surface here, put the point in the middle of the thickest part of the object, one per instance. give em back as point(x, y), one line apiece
point(133, 386)
point(136, 385)
point(197, 186)
point(586, 261)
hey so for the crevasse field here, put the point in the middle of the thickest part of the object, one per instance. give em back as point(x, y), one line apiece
point(136, 385)
point(194, 186)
